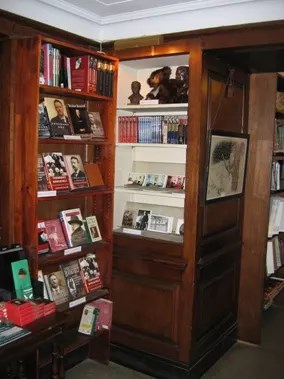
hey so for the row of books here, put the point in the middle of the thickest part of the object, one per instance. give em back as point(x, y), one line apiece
point(86, 73)
point(68, 231)
point(144, 219)
point(59, 120)
point(96, 316)
point(154, 181)
point(73, 280)
point(152, 129)
point(58, 172)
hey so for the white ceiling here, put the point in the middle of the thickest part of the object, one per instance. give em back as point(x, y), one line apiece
point(110, 20)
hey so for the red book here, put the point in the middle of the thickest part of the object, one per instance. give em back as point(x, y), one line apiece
point(90, 273)
point(81, 70)
point(104, 320)
point(55, 235)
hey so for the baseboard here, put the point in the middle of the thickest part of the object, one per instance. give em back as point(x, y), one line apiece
point(161, 368)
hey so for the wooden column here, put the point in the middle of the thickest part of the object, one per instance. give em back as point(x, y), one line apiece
point(257, 196)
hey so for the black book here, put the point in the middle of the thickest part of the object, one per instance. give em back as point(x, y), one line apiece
point(43, 122)
point(79, 118)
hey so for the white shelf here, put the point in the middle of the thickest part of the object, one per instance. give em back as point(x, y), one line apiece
point(162, 108)
point(158, 145)
point(170, 199)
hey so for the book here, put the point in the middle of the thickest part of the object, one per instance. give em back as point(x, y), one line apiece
point(142, 219)
point(43, 122)
point(79, 118)
point(180, 226)
point(93, 228)
point(88, 319)
point(155, 181)
point(127, 219)
point(76, 171)
point(55, 235)
point(55, 171)
point(22, 279)
point(73, 278)
point(105, 308)
point(10, 333)
point(161, 224)
point(135, 179)
point(90, 272)
point(57, 116)
point(175, 182)
point(81, 73)
point(42, 182)
point(42, 237)
point(73, 227)
point(96, 125)
point(93, 174)
point(57, 287)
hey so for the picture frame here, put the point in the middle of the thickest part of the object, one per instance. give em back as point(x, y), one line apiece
point(160, 223)
point(226, 165)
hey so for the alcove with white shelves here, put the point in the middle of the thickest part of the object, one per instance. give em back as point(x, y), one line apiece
point(148, 158)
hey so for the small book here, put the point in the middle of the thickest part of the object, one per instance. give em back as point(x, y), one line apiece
point(88, 320)
point(180, 226)
point(161, 224)
point(135, 179)
point(79, 118)
point(56, 287)
point(58, 118)
point(96, 125)
point(43, 246)
point(90, 272)
point(155, 181)
point(42, 182)
point(55, 235)
point(73, 277)
point(94, 174)
point(105, 308)
point(93, 228)
point(22, 279)
point(76, 172)
point(175, 182)
point(127, 219)
point(73, 227)
point(56, 171)
point(142, 219)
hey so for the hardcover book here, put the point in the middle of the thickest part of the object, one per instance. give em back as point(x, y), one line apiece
point(74, 280)
point(73, 227)
point(76, 171)
point(55, 235)
point(57, 115)
point(42, 183)
point(79, 118)
point(93, 174)
point(96, 125)
point(90, 272)
point(43, 246)
point(56, 287)
point(105, 307)
point(161, 224)
point(56, 171)
point(22, 279)
point(93, 228)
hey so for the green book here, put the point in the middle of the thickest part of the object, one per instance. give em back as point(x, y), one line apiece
point(22, 279)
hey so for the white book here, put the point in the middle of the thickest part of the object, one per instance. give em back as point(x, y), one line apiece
point(160, 223)
point(269, 258)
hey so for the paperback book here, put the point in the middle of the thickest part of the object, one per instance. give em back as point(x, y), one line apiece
point(22, 279)
point(93, 228)
point(73, 227)
point(57, 287)
point(58, 118)
point(88, 320)
point(56, 171)
point(90, 272)
point(96, 125)
point(76, 172)
point(72, 274)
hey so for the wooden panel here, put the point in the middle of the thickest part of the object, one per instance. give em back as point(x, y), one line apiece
point(152, 312)
point(257, 191)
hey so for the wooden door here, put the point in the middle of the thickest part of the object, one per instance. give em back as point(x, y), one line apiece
point(219, 236)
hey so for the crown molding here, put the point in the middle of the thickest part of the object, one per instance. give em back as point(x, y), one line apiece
point(152, 12)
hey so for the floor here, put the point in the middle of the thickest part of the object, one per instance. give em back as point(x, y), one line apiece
point(242, 361)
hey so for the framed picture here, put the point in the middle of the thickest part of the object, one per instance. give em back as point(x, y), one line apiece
point(226, 168)
point(161, 224)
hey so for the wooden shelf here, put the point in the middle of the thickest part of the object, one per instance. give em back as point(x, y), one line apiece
point(51, 90)
point(77, 194)
point(275, 291)
point(84, 299)
point(59, 257)
point(62, 141)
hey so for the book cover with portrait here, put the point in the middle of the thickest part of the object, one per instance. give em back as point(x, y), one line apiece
point(73, 227)
point(96, 125)
point(57, 116)
point(74, 280)
point(56, 287)
point(79, 118)
point(76, 171)
point(93, 228)
point(90, 272)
